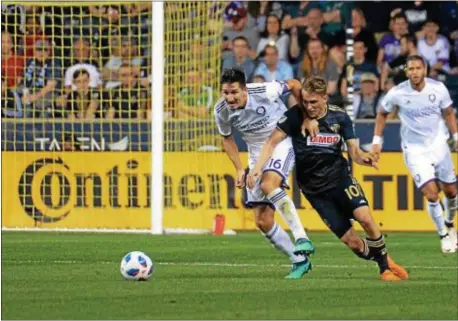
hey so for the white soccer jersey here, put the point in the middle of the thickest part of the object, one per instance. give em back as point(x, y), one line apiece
point(258, 119)
point(422, 124)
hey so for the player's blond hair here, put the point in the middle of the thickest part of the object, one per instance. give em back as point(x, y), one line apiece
point(315, 85)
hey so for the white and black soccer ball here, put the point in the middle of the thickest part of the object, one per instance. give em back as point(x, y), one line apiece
point(136, 266)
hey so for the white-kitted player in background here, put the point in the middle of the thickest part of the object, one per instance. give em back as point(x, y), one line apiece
point(254, 110)
point(423, 105)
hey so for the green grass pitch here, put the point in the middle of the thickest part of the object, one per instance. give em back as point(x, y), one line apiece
point(76, 276)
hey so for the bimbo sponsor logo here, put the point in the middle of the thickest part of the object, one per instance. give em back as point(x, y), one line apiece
point(323, 140)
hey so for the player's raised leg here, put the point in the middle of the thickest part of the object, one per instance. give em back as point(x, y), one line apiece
point(363, 250)
point(272, 231)
point(375, 243)
point(273, 182)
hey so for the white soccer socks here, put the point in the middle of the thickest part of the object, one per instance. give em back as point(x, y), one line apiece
point(281, 240)
point(285, 205)
point(451, 207)
point(435, 211)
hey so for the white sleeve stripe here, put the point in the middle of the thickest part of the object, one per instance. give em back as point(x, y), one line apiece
point(220, 107)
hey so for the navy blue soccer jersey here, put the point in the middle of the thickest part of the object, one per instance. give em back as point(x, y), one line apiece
point(320, 164)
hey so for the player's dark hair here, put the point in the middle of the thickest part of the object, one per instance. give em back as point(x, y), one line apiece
point(416, 58)
point(265, 34)
point(315, 85)
point(80, 72)
point(241, 38)
point(399, 15)
point(232, 75)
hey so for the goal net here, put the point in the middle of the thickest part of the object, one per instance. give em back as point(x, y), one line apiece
point(77, 116)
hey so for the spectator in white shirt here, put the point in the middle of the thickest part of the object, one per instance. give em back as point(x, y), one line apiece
point(435, 48)
point(82, 59)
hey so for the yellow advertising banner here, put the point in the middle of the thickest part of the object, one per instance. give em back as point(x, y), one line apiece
point(112, 190)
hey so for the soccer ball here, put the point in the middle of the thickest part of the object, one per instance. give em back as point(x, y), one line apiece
point(136, 266)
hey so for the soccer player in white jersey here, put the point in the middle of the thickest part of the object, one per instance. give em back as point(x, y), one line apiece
point(254, 110)
point(423, 105)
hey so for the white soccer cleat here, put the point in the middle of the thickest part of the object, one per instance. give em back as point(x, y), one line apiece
point(453, 237)
point(447, 246)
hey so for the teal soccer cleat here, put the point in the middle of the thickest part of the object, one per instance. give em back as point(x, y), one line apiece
point(299, 269)
point(304, 247)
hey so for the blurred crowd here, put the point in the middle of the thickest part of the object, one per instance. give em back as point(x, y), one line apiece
point(86, 62)
point(76, 62)
point(273, 40)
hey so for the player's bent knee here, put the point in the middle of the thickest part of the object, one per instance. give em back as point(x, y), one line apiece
point(450, 190)
point(432, 197)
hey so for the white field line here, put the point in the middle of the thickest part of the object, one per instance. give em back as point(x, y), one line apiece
point(239, 265)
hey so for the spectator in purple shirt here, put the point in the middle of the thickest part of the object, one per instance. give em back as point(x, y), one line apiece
point(390, 45)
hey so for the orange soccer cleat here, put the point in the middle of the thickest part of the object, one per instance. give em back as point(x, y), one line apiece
point(397, 269)
point(388, 275)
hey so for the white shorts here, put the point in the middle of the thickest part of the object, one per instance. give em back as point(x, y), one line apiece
point(431, 165)
point(281, 162)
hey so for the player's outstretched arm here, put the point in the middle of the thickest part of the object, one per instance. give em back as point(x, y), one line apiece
point(360, 157)
point(267, 151)
point(231, 149)
point(450, 119)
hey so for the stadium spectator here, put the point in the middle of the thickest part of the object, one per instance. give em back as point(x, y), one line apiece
point(34, 32)
point(105, 23)
point(12, 64)
point(435, 48)
point(123, 51)
point(239, 28)
point(272, 68)
point(356, 68)
point(361, 33)
point(417, 13)
point(377, 13)
point(13, 19)
point(258, 10)
point(195, 100)
point(396, 68)
point(138, 18)
point(273, 35)
point(296, 14)
point(258, 79)
point(12, 106)
point(317, 63)
point(367, 102)
point(81, 57)
point(336, 15)
point(448, 16)
point(390, 46)
point(42, 80)
point(81, 103)
point(239, 57)
point(128, 100)
point(301, 35)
